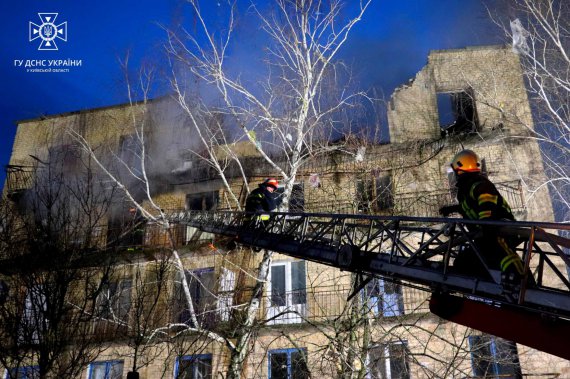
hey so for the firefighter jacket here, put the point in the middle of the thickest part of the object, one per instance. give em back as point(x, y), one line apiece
point(479, 199)
point(260, 200)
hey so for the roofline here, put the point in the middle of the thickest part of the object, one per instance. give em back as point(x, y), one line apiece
point(88, 110)
point(476, 47)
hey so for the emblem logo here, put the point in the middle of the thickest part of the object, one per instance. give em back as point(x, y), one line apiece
point(48, 31)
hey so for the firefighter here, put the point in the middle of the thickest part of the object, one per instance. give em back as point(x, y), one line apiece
point(261, 201)
point(479, 199)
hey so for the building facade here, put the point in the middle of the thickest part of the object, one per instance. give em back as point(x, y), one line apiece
point(140, 318)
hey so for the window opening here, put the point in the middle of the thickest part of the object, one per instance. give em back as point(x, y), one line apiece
point(287, 292)
point(374, 193)
point(297, 199)
point(202, 285)
point(106, 370)
point(34, 321)
point(457, 112)
point(194, 367)
point(66, 157)
point(25, 372)
point(288, 364)
point(493, 357)
point(384, 298)
point(203, 201)
point(115, 300)
point(389, 361)
point(130, 153)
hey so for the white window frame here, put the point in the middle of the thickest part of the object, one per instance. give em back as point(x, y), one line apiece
point(291, 313)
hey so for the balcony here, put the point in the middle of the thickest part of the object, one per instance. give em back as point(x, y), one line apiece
point(427, 204)
point(18, 179)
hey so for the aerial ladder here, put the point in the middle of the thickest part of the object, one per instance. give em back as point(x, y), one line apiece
point(419, 252)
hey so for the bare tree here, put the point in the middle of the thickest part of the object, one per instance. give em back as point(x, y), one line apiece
point(539, 31)
point(50, 234)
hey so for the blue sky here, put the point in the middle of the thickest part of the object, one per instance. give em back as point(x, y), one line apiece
point(386, 49)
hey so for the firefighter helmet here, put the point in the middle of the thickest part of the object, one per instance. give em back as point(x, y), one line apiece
point(465, 161)
point(272, 182)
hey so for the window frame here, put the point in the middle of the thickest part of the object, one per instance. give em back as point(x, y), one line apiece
point(108, 365)
point(34, 319)
point(296, 199)
point(289, 352)
point(384, 306)
point(493, 361)
point(295, 299)
point(459, 110)
point(192, 357)
point(35, 371)
point(200, 309)
point(374, 192)
point(385, 358)
point(110, 305)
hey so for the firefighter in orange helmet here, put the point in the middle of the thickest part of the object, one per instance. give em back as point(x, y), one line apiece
point(261, 200)
point(479, 199)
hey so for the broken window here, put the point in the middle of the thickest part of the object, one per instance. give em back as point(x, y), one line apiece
point(457, 112)
point(374, 193)
point(113, 304)
point(389, 361)
point(203, 201)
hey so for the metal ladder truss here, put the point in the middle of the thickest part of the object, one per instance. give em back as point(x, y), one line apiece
point(414, 251)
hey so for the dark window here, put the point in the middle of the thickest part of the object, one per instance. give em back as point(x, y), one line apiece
point(34, 319)
point(457, 112)
point(297, 199)
point(384, 194)
point(374, 193)
point(194, 367)
point(203, 201)
point(384, 298)
point(287, 292)
point(288, 364)
point(389, 361)
point(106, 370)
point(278, 291)
point(288, 278)
point(493, 357)
point(114, 301)
point(26, 372)
point(298, 283)
point(202, 286)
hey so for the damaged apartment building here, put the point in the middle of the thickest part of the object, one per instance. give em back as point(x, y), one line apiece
point(138, 319)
